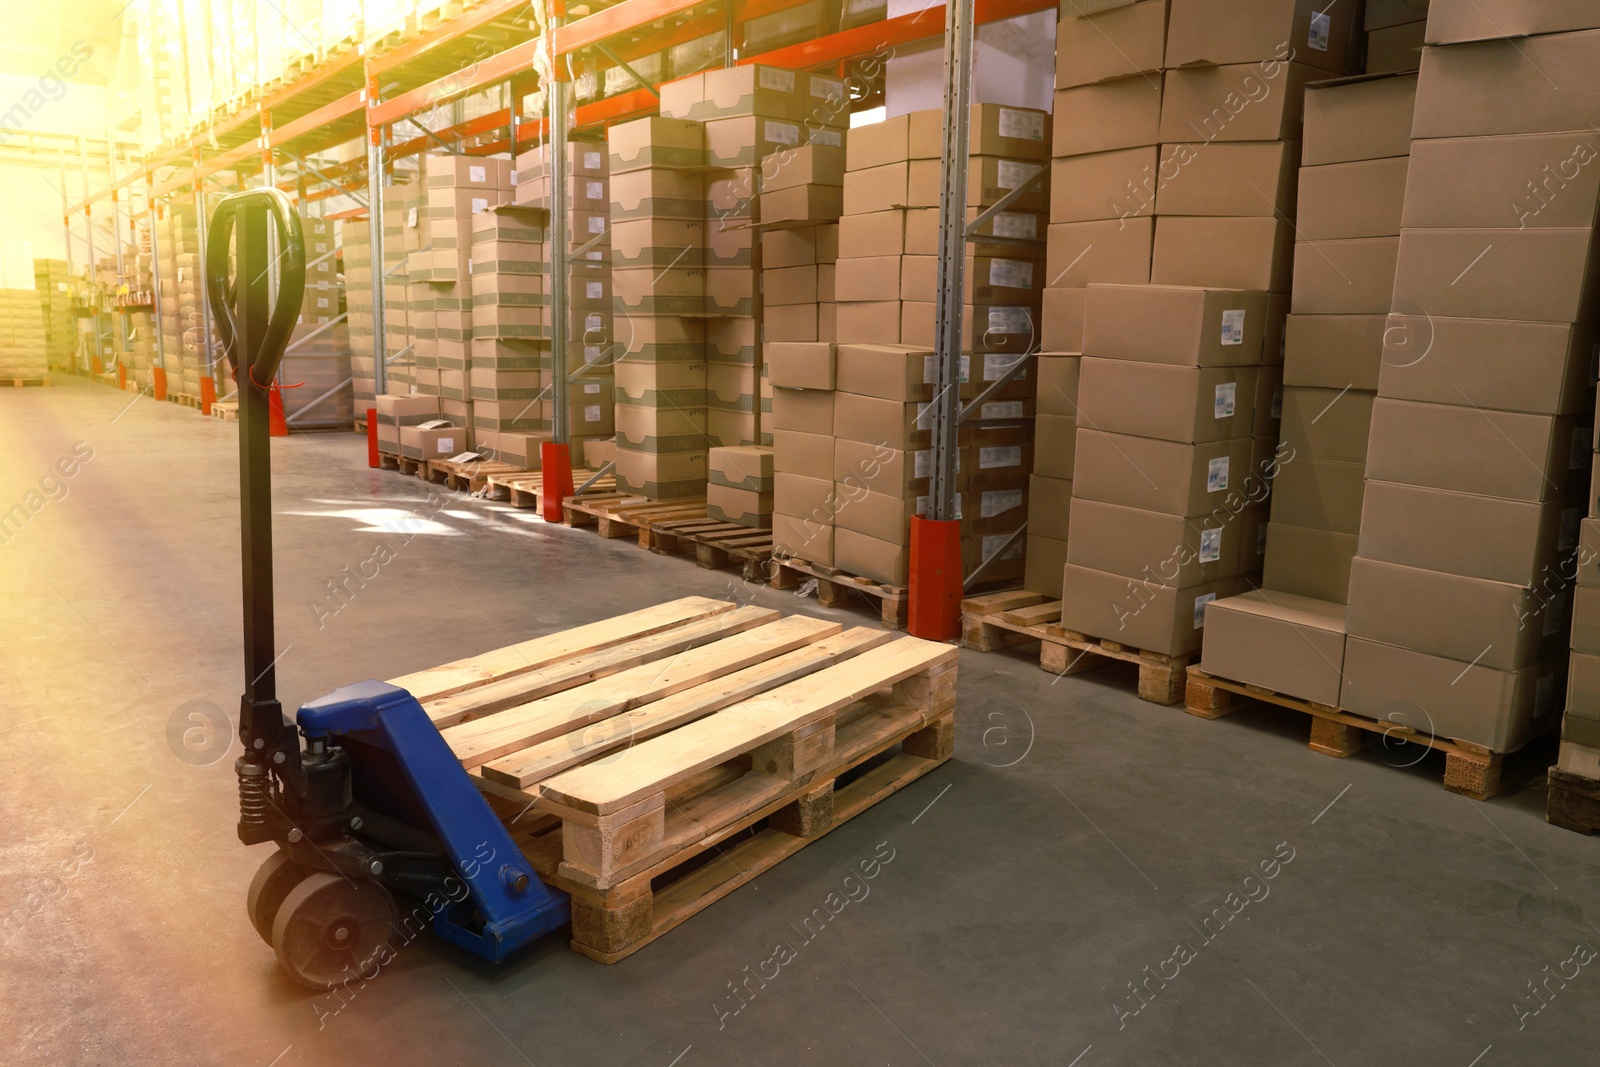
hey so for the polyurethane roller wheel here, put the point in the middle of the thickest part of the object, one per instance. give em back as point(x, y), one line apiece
point(331, 929)
point(268, 888)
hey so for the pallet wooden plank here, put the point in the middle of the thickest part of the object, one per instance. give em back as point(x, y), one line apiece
point(578, 670)
point(999, 603)
point(481, 740)
point(463, 674)
point(527, 767)
point(650, 767)
point(1034, 615)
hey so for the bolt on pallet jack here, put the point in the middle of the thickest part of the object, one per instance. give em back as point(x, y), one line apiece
point(375, 803)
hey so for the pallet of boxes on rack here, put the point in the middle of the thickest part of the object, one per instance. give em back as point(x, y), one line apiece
point(53, 281)
point(22, 339)
point(853, 418)
point(185, 348)
point(316, 369)
point(355, 248)
point(1455, 632)
point(403, 232)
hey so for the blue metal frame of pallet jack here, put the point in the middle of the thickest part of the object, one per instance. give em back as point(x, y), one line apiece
point(387, 717)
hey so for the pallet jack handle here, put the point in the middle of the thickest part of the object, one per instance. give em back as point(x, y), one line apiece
point(254, 326)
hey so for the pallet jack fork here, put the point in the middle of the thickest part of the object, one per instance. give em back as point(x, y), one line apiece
point(375, 803)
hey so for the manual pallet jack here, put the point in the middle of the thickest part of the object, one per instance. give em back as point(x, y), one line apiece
point(375, 804)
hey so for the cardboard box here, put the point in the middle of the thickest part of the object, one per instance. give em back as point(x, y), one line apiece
point(802, 537)
point(1235, 179)
point(873, 278)
point(1530, 85)
point(1178, 325)
point(881, 233)
point(1049, 507)
point(655, 142)
point(1139, 614)
point(1582, 723)
point(870, 557)
point(903, 427)
point(800, 365)
point(1328, 424)
point(893, 372)
point(1125, 113)
point(1117, 252)
point(787, 248)
point(661, 476)
point(1280, 641)
point(808, 454)
point(791, 323)
point(1396, 49)
point(1153, 547)
point(995, 130)
point(1534, 275)
point(1474, 536)
point(1106, 185)
point(748, 467)
point(1319, 495)
point(1055, 445)
point(873, 322)
point(1383, 13)
point(1061, 319)
point(441, 443)
point(1457, 21)
point(1501, 625)
point(1462, 361)
point(1163, 476)
point(984, 329)
point(740, 506)
point(1117, 43)
point(1510, 455)
point(658, 193)
point(798, 495)
point(1045, 560)
point(1232, 253)
point(811, 164)
point(1188, 405)
point(1058, 377)
point(881, 516)
point(1533, 181)
point(734, 91)
point(1309, 563)
point(985, 280)
point(878, 143)
point(1499, 710)
point(805, 203)
point(1368, 119)
point(660, 430)
point(1340, 201)
point(1242, 102)
point(1313, 31)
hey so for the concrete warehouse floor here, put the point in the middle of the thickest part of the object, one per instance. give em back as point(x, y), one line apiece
point(1077, 839)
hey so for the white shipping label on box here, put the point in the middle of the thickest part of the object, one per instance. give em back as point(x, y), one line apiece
point(1200, 603)
point(1012, 174)
point(446, 444)
point(1318, 37)
point(996, 364)
point(999, 456)
point(1223, 406)
point(597, 224)
point(319, 246)
point(591, 353)
point(595, 190)
point(594, 321)
point(322, 301)
point(998, 502)
point(433, 424)
point(594, 290)
point(1011, 273)
point(1233, 327)
point(1010, 320)
point(1002, 409)
point(930, 368)
point(592, 160)
point(1016, 224)
point(781, 132)
point(1028, 125)
point(479, 204)
point(477, 175)
point(922, 463)
point(1217, 475)
point(591, 388)
point(591, 413)
point(995, 542)
point(773, 78)
point(411, 217)
point(466, 457)
point(835, 138)
point(924, 416)
point(1211, 545)
point(826, 88)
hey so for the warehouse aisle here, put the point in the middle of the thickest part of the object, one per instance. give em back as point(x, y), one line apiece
point(1092, 880)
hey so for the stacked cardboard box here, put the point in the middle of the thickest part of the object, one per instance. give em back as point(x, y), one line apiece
point(401, 418)
point(355, 242)
point(22, 335)
point(803, 376)
point(403, 234)
point(1395, 30)
point(1289, 635)
point(319, 347)
point(54, 284)
point(1165, 507)
point(1479, 450)
point(740, 486)
point(141, 345)
point(183, 317)
point(1055, 430)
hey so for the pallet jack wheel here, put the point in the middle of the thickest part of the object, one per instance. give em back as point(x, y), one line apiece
point(330, 929)
point(268, 888)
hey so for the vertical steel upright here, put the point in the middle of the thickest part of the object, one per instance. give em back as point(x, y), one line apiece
point(556, 456)
point(936, 565)
point(375, 139)
point(200, 279)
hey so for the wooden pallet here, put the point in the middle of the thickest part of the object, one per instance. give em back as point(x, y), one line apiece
point(1016, 617)
point(467, 476)
point(1573, 802)
point(835, 587)
point(388, 461)
point(522, 489)
point(225, 409)
point(651, 764)
point(616, 514)
point(188, 400)
point(21, 382)
point(1470, 769)
point(716, 544)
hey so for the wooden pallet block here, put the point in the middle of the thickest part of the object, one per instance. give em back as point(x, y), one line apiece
point(19, 383)
point(411, 468)
point(643, 741)
point(835, 587)
point(469, 476)
point(388, 461)
point(225, 409)
point(1470, 769)
point(1573, 802)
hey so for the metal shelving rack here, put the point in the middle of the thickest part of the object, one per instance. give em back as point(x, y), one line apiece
point(368, 93)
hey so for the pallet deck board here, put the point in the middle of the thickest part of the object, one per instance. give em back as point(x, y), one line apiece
point(834, 587)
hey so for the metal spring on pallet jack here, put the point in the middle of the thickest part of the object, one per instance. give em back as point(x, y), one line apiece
point(255, 791)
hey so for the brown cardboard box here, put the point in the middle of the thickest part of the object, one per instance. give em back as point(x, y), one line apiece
point(1058, 376)
point(1349, 121)
point(1318, 495)
point(1176, 479)
point(521, 450)
point(800, 365)
point(747, 468)
point(790, 323)
point(1139, 614)
point(808, 454)
point(812, 498)
point(1249, 178)
point(731, 340)
point(1474, 536)
point(655, 142)
point(789, 285)
point(1049, 507)
point(1395, 49)
point(1233, 253)
point(1477, 450)
point(985, 280)
point(659, 339)
point(648, 292)
point(878, 143)
point(802, 537)
point(1312, 31)
point(803, 203)
point(1114, 251)
point(1125, 113)
point(1528, 85)
point(994, 130)
point(741, 506)
point(1310, 563)
point(1452, 361)
point(1334, 351)
point(1495, 624)
point(1286, 643)
point(1061, 320)
point(874, 322)
point(902, 427)
point(1106, 185)
point(811, 164)
point(1534, 181)
point(1582, 723)
point(661, 385)
point(1152, 547)
point(893, 372)
point(658, 193)
point(885, 470)
point(1179, 325)
point(1327, 423)
point(1384, 13)
point(1457, 21)
point(874, 278)
point(1055, 447)
point(984, 329)
point(880, 188)
point(806, 410)
point(1535, 275)
point(441, 443)
point(1499, 710)
point(1189, 405)
point(1125, 41)
point(1046, 557)
point(675, 476)
point(661, 430)
point(1339, 201)
point(733, 91)
point(878, 515)
point(870, 557)
point(657, 243)
point(1243, 102)
point(881, 233)
point(746, 141)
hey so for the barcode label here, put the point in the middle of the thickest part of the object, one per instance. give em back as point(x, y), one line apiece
point(1210, 545)
point(827, 137)
point(998, 457)
point(781, 132)
point(477, 175)
point(1016, 224)
point(1026, 125)
point(998, 502)
point(591, 413)
point(1011, 273)
point(1223, 406)
point(594, 290)
point(776, 79)
point(1011, 174)
point(1217, 475)
point(1200, 603)
point(594, 190)
point(930, 369)
point(1321, 32)
point(1233, 327)
point(1002, 409)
